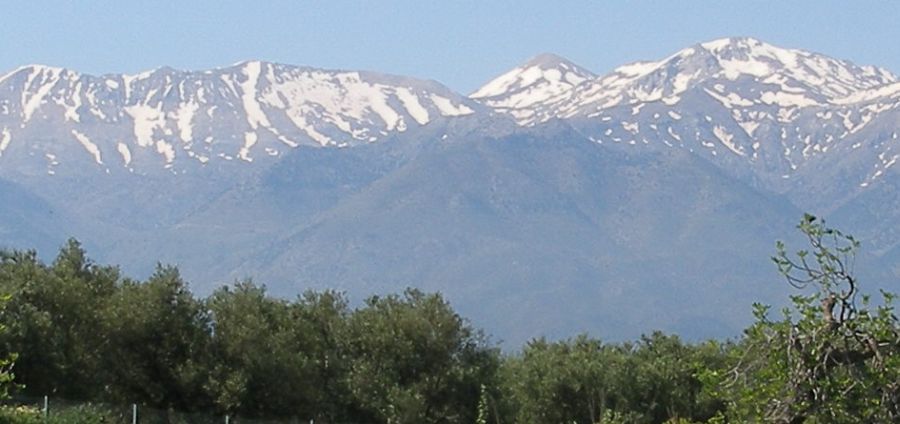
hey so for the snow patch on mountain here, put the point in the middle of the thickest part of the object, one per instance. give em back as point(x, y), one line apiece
point(448, 108)
point(5, 138)
point(727, 139)
point(413, 106)
point(255, 114)
point(167, 151)
point(250, 139)
point(89, 146)
point(125, 152)
point(184, 120)
point(146, 120)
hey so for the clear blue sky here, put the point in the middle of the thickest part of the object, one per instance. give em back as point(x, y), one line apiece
point(460, 43)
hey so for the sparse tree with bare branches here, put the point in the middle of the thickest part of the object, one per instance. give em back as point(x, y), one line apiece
point(832, 357)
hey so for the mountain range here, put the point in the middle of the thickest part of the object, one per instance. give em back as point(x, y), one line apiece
point(551, 201)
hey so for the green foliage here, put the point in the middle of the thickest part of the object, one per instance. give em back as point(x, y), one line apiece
point(415, 360)
point(667, 381)
point(20, 415)
point(84, 414)
point(161, 332)
point(53, 316)
point(832, 357)
point(323, 318)
point(482, 417)
point(564, 382)
point(584, 380)
point(267, 354)
point(7, 361)
point(84, 333)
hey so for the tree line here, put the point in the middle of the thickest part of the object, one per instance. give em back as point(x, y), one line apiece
point(83, 331)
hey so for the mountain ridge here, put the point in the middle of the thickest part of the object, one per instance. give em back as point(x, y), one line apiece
point(227, 113)
point(312, 106)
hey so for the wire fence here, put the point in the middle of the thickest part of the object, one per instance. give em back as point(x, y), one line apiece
point(62, 410)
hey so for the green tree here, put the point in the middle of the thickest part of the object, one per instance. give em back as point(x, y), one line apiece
point(321, 319)
point(156, 338)
point(566, 381)
point(831, 357)
point(53, 316)
point(15, 267)
point(667, 386)
point(261, 362)
point(414, 360)
point(7, 360)
point(583, 380)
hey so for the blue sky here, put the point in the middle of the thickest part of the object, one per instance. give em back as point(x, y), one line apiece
point(459, 43)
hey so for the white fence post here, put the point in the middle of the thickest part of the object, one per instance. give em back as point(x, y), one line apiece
point(133, 413)
point(46, 407)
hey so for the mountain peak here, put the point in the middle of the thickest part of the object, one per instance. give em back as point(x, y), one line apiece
point(747, 55)
point(807, 78)
point(829, 76)
point(549, 61)
point(727, 43)
point(543, 76)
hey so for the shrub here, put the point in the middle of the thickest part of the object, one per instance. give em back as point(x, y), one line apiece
point(82, 414)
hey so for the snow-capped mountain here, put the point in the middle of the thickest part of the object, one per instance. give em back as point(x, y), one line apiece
point(760, 111)
point(172, 119)
point(783, 77)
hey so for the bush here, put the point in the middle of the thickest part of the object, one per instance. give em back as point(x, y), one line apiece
point(20, 415)
point(82, 414)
